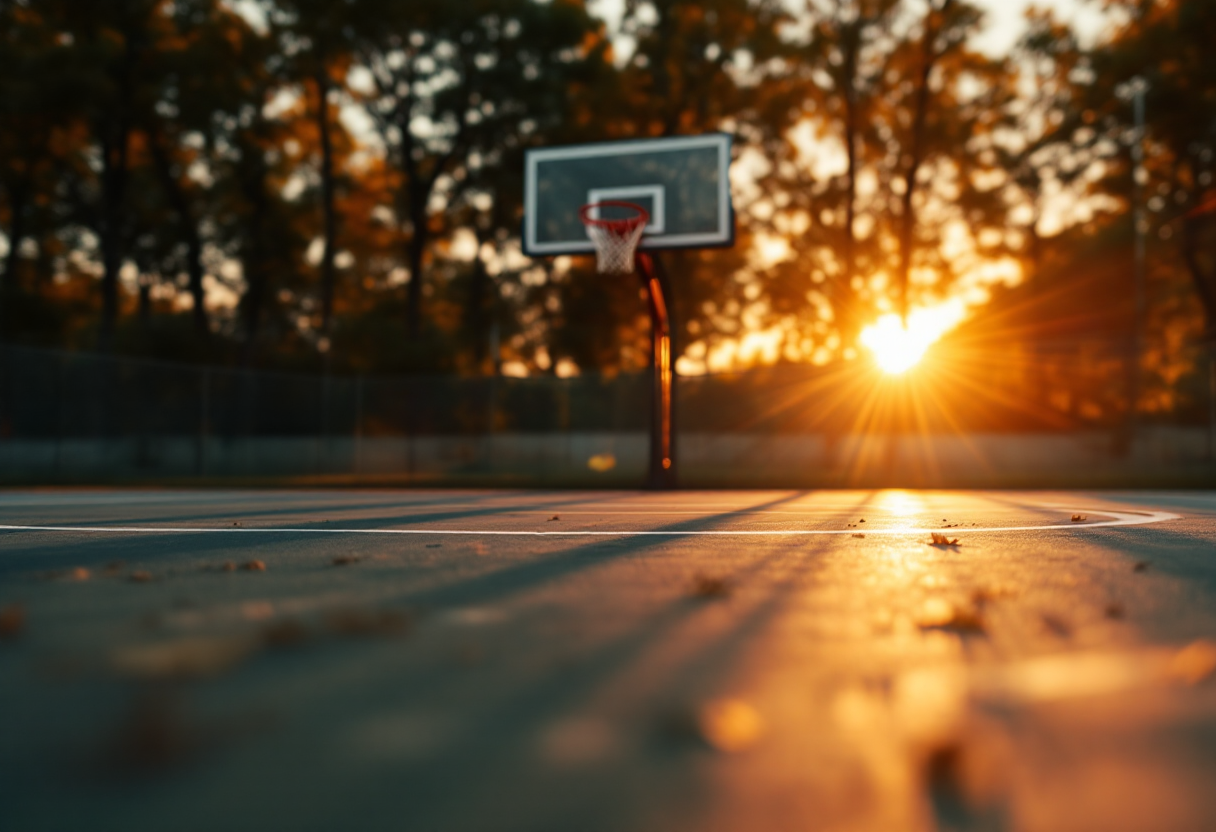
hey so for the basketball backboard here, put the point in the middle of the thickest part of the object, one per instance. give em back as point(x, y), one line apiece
point(683, 182)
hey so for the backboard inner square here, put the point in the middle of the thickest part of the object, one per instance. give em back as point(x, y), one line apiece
point(650, 197)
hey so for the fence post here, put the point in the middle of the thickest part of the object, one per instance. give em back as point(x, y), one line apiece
point(1212, 401)
point(59, 389)
point(492, 414)
point(200, 459)
point(358, 424)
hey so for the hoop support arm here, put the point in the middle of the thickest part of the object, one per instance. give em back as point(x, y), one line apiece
point(661, 469)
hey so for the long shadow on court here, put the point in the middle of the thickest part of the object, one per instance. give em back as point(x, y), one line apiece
point(49, 551)
point(493, 742)
point(1178, 554)
point(53, 552)
point(497, 735)
point(328, 511)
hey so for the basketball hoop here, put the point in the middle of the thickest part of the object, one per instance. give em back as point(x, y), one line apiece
point(615, 240)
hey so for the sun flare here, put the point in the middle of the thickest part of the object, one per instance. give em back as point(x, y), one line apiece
point(897, 348)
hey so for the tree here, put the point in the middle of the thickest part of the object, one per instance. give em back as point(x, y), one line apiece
point(457, 90)
point(1169, 45)
point(316, 37)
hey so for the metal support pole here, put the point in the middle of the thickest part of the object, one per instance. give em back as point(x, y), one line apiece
point(1137, 87)
point(661, 470)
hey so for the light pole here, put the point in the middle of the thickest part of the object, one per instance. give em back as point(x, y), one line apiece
point(1135, 90)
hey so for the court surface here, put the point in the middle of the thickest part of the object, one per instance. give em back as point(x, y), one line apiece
point(522, 660)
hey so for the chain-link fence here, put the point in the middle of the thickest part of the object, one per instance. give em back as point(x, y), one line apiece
point(1029, 415)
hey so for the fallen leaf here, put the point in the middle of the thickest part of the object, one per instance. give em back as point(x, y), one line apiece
point(729, 725)
point(939, 614)
point(554, 517)
point(859, 535)
point(286, 633)
point(1194, 663)
point(942, 540)
point(155, 734)
point(78, 573)
point(183, 658)
point(254, 566)
point(140, 577)
point(257, 610)
point(12, 620)
point(862, 520)
point(708, 586)
point(983, 595)
point(1078, 518)
point(602, 462)
point(369, 623)
point(1057, 626)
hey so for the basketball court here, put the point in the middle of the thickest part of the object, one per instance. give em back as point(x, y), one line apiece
point(607, 660)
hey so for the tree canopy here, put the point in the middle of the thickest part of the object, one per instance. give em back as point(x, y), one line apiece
point(338, 182)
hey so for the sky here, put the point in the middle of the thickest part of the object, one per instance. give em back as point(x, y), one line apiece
point(1004, 18)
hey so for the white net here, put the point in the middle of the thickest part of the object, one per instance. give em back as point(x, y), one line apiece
point(615, 245)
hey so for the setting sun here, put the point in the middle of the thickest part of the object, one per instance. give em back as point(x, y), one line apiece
point(897, 348)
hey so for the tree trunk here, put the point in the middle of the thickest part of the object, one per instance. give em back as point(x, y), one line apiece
point(478, 286)
point(254, 254)
point(907, 228)
point(18, 198)
point(189, 230)
point(415, 250)
point(1205, 284)
point(115, 145)
point(842, 308)
point(145, 304)
point(328, 209)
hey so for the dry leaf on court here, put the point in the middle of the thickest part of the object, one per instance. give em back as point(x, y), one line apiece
point(602, 462)
point(725, 725)
point(183, 658)
point(942, 540)
point(12, 620)
point(368, 623)
point(1079, 518)
point(939, 614)
point(286, 633)
point(254, 566)
point(1194, 663)
point(709, 586)
point(859, 535)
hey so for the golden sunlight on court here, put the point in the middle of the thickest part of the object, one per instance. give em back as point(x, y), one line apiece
point(897, 348)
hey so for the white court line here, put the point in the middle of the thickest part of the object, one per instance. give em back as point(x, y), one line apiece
point(1122, 518)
